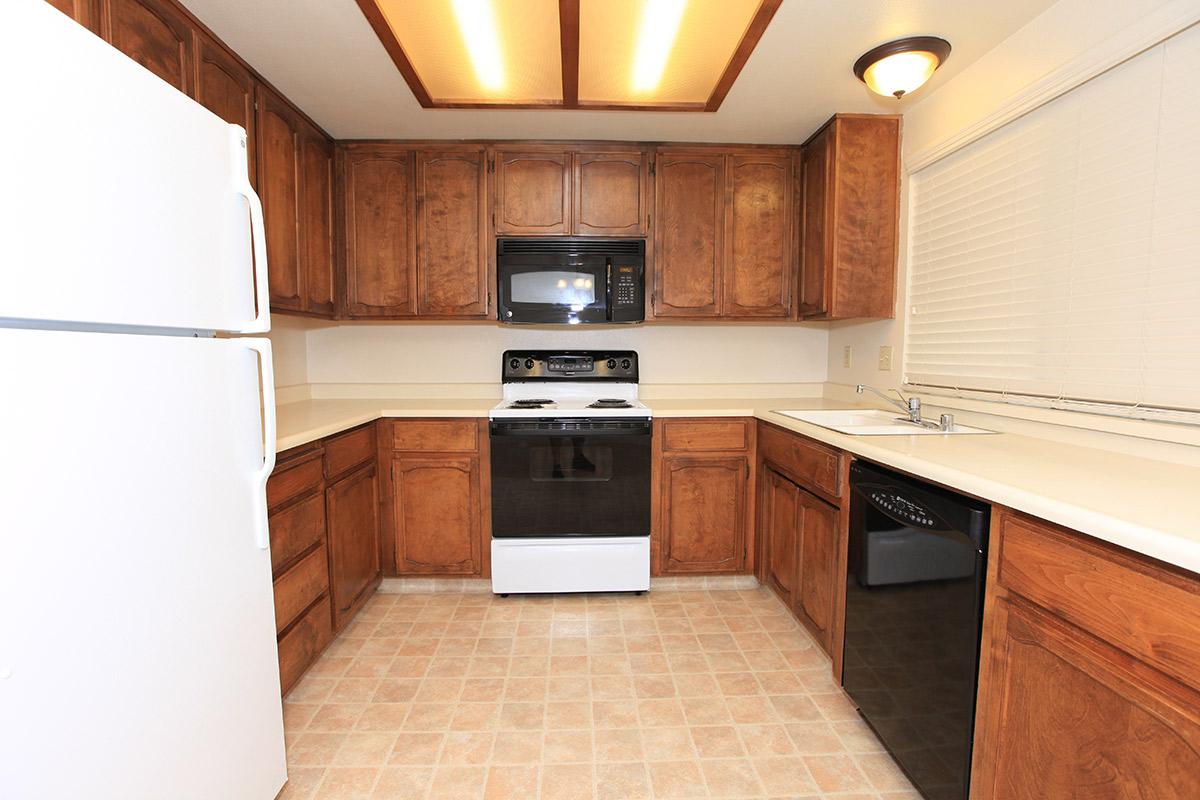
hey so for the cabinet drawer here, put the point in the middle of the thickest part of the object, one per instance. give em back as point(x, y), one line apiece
point(439, 436)
point(296, 589)
point(1148, 611)
point(697, 435)
point(811, 464)
point(295, 529)
point(349, 450)
point(294, 479)
point(303, 643)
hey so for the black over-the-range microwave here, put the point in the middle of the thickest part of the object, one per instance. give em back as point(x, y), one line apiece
point(571, 281)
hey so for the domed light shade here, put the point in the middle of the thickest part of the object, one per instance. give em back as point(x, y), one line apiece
point(897, 68)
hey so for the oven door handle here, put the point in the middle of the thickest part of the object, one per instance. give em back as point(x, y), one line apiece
point(519, 430)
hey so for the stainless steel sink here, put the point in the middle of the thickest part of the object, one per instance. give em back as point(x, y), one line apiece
point(870, 422)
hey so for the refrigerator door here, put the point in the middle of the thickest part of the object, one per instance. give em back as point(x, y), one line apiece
point(124, 202)
point(137, 626)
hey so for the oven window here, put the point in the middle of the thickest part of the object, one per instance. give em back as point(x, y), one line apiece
point(554, 287)
point(571, 460)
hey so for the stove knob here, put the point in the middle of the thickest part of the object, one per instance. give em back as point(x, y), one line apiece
point(529, 363)
point(626, 363)
point(612, 363)
point(514, 363)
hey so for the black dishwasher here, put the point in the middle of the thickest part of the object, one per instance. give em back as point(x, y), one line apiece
point(914, 604)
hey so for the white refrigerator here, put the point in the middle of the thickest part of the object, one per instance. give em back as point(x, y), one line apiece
point(137, 630)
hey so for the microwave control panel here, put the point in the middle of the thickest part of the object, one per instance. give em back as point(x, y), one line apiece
point(626, 286)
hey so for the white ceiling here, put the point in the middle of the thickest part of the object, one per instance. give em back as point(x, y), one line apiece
point(324, 56)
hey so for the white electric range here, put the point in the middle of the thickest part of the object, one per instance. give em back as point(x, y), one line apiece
point(570, 453)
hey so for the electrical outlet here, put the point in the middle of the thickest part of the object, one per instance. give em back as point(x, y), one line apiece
point(885, 358)
point(847, 356)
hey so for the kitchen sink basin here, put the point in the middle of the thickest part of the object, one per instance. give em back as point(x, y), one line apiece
point(871, 422)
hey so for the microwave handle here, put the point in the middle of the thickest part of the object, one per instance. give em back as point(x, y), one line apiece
point(608, 298)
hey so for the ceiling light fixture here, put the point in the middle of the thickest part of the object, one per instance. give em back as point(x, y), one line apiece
point(477, 22)
point(897, 68)
point(660, 26)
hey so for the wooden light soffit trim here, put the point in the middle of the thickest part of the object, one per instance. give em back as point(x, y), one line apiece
point(568, 22)
point(568, 42)
point(741, 54)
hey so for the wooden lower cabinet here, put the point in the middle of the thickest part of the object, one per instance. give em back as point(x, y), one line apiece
point(704, 500)
point(1089, 681)
point(780, 510)
point(816, 564)
point(438, 512)
point(352, 508)
point(323, 501)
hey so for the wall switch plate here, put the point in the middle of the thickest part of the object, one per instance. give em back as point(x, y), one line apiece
point(885, 358)
point(847, 356)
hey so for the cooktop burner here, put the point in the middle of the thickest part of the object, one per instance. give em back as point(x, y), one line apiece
point(535, 402)
point(610, 402)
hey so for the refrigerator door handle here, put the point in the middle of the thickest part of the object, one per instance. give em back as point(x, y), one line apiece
point(258, 234)
point(267, 378)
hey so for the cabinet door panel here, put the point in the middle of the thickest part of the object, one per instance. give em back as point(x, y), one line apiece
point(436, 501)
point(758, 264)
point(226, 88)
point(814, 244)
point(452, 240)
point(316, 220)
point(154, 34)
point(818, 534)
point(611, 197)
point(82, 11)
point(380, 267)
point(703, 513)
point(279, 188)
point(352, 507)
point(533, 193)
point(1066, 717)
point(690, 210)
point(782, 513)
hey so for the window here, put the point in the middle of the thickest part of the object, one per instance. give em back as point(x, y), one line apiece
point(1056, 260)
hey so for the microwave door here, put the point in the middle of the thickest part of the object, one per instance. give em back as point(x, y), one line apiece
point(569, 291)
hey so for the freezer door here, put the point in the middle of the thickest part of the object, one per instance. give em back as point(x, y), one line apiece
point(124, 202)
point(137, 631)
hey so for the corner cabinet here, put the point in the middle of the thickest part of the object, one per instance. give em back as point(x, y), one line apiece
point(437, 504)
point(850, 192)
point(725, 234)
point(1086, 639)
point(416, 239)
point(704, 496)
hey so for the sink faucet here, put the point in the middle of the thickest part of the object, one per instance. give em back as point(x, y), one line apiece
point(909, 405)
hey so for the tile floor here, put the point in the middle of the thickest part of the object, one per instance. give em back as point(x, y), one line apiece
point(612, 697)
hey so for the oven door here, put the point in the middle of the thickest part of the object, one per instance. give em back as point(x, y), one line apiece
point(570, 478)
point(549, 288)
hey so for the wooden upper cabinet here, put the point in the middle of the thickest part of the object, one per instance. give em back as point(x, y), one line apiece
point(452, 241)
point(533, 192)
point(816, 554)
point(759, 262)
point(689, 231)
point(352, 506)
point(82, 11)
point(225, 87)
point(851, 218)
point(316, 220)
point(611, 193)
point(279, 130)
point(380, 260)
point(154, 33)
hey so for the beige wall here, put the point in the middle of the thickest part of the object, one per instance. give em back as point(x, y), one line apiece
point(289, 348)
point(401, 353)
point(1063, 33)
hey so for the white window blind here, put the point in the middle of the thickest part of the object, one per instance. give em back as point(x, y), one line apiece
point(1057, 260)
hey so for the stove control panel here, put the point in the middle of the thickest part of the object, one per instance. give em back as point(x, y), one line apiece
point(615, 366)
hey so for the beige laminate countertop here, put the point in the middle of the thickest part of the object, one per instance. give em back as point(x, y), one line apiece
point(1143, 504)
